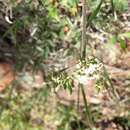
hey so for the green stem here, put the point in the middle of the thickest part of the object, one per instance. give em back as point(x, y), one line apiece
point(78, 98)
point(87, 111)
point(113, 91)
point(83, 42)
point(113, 7)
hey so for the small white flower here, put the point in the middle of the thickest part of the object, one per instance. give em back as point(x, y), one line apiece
point(91, 69)
point(78, 66)
point(83, 79)
point(84, 74)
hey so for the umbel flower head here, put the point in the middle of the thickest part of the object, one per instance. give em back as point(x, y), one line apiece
point(85, 73)
point(88, 70)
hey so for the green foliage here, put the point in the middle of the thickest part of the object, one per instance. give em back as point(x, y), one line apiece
point(122, 44)
point(72, 2)
point(34, 30)
point(62, 80)
point(120, 5)
point(95, 12)
point(16, 109)
point(45, 20)
point(120, 39)
point(69, 119)
point(125, 35)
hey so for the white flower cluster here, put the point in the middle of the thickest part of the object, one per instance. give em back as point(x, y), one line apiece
point(86, 72)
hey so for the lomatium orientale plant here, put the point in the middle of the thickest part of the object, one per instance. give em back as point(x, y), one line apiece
point(84, 72)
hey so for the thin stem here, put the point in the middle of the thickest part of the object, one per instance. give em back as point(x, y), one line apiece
point(114, 93)
point(83, 56)
point(113, 7)
point(83, 42)
point(78, 98)
point(87, 111)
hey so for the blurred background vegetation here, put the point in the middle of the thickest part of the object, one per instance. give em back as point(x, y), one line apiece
point(40, 43)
